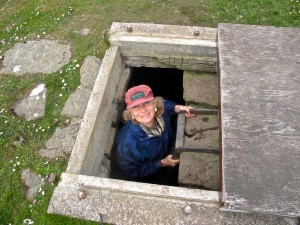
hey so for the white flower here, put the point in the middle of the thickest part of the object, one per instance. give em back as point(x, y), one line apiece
point(60, 95)
point(43, 193)
point(77, 65)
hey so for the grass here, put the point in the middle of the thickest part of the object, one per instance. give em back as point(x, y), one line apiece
point(22, 20)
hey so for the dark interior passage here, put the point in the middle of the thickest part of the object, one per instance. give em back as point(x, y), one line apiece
point(167, 83)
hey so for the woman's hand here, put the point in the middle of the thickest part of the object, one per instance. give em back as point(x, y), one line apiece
point(169, 161)
point(180, 108)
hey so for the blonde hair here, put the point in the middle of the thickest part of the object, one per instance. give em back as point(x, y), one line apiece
point(159, 106)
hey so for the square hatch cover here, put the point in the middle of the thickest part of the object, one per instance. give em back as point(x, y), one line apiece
point(260, 108)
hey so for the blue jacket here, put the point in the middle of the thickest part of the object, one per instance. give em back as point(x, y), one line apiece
point(137, 154)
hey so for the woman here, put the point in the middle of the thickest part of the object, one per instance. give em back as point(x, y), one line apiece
point(143, 143)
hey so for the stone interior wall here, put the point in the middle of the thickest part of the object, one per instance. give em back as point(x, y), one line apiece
point(197, 169)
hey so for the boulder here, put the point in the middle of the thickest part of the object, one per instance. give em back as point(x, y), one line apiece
point(33, 57)
point(32, 106)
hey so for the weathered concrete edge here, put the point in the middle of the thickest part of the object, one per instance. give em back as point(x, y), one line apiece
point(114, 194)
point(222, 209)
point(166, 46)
point(159, 45)
point(79, 152)
point(91, 182)
point(162, 30)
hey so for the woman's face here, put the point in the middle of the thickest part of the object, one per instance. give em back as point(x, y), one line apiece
point(144, 113)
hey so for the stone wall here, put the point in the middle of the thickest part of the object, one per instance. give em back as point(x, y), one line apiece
point(197, 168)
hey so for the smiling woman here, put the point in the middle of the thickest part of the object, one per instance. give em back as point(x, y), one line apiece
point(143, 144)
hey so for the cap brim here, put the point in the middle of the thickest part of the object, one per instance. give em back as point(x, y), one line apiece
point(139, 101)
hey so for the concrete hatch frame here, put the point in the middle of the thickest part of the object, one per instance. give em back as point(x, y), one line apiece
point(81, 193)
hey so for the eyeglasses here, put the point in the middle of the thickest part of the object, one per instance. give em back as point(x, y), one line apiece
point(141, 106)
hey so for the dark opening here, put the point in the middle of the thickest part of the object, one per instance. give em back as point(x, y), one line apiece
point(164, 82)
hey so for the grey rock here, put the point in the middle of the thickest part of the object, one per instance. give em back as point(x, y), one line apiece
point(85, 31)
point(44, 56)
point(32, 106)
point(51, 178)
point(63, 139)
point(51, 153)
point(199, 170)
point(89, 71)
point(32, 182)
point(77, 103)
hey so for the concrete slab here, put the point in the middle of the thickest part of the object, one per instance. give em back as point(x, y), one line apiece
point(260, 103)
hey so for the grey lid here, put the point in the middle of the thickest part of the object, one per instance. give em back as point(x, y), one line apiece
point(259, 71)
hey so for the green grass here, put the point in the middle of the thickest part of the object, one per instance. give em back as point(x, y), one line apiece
point(22, 20)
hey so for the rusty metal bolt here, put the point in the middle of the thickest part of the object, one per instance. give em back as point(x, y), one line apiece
point(81, 195)
point(129, 28)
point(196, 32)
point(188, 209)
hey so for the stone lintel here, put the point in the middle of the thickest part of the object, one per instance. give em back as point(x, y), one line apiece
point(168, 45)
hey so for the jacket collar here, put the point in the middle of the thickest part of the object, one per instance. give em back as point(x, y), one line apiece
point(136, 130)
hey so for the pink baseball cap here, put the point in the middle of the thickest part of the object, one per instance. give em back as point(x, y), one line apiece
point(137, 95)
